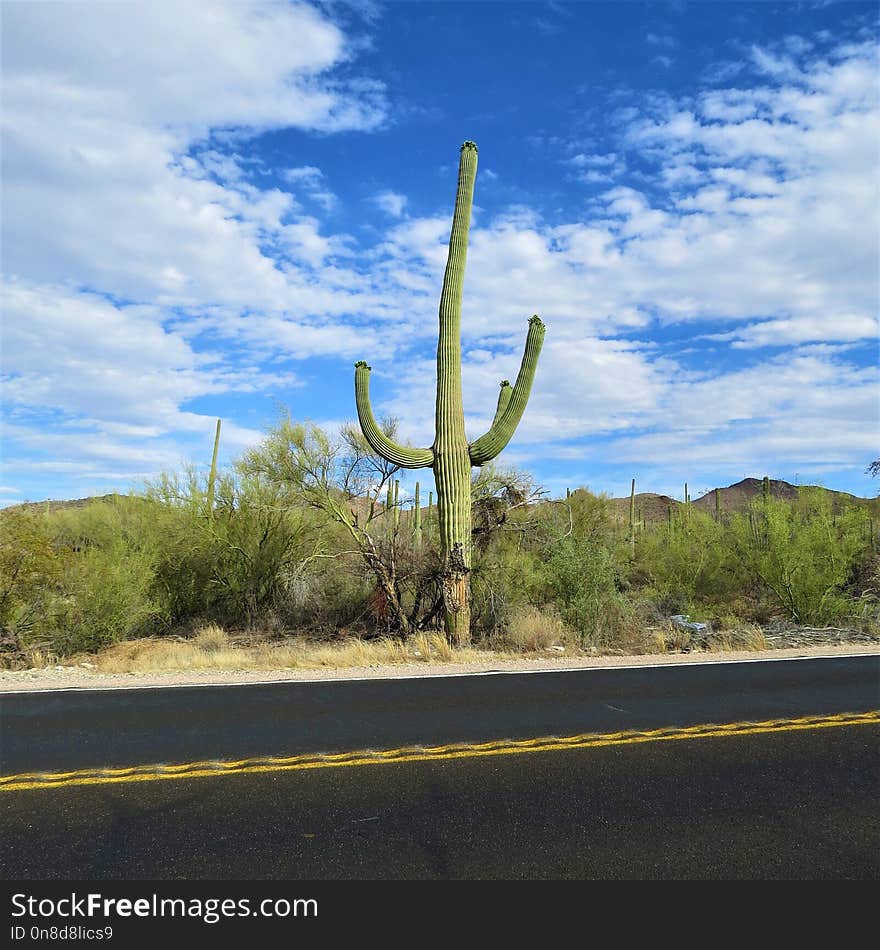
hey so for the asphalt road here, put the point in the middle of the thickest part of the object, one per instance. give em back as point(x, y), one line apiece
point(788, 804)
point(77, 729)
point(793, 805)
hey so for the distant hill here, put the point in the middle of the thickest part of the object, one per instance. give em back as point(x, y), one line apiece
point(650, 507)
point(51, 504)
point(736, 497)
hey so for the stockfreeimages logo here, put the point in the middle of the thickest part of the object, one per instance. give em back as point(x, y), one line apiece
point(210, 910)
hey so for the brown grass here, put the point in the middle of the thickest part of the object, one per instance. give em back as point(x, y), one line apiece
point(534, 630)
point(747, 636)
point(670, 639)
point(212, 649)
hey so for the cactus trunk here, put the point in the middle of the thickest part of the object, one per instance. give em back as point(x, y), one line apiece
point(450, 457)
point(452, 464)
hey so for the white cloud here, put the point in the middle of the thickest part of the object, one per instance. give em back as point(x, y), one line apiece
point(111, 182)
point(310, 181)
point(745, 207)
point(391, 203)
point(763, 227)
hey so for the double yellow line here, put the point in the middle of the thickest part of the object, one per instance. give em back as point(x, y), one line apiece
point(153, 773)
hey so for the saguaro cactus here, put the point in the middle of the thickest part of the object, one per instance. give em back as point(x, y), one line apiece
point(212, 476)
point(417, 517)
point(632, 518)
point(451, 457)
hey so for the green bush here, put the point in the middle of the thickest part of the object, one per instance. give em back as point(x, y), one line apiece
point(583, 581)
point(107, 597)
point(802, 553)
point(76, 579)
point(30, 569)
point(688, 564)
point(234, 564)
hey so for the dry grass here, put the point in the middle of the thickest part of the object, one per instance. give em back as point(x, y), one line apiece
point(670, 639)
point(747, 636)
point(212, 649)
point(211, 638)
point(41, 659)
point(533, 630)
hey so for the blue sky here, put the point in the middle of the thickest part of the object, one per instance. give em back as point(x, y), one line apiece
point(213, 210)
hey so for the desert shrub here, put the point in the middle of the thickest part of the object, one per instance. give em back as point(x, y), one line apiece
point(506, 577)
point(107, 598)
point(30, 569)
point(802, 553)
point(233, 563)
point(583, 581)
point(531, 630)
point(688, 563)
point(76, 580)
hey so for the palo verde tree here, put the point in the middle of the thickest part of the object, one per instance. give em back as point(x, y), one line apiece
point(451, 457)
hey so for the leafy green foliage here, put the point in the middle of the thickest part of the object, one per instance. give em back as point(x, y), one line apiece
point(688, 563)
point(802, 553)
point(299, 537)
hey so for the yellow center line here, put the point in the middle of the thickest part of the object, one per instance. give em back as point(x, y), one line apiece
point(462, 750)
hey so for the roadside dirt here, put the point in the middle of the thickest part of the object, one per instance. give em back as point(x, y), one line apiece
point(80, 677)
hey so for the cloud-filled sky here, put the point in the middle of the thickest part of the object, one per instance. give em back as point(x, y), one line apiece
point(212, 210)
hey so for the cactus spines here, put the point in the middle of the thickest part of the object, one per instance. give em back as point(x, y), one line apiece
point(212, 476)
point(450, 457)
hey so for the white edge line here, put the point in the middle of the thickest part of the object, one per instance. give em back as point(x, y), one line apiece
point(426, 676)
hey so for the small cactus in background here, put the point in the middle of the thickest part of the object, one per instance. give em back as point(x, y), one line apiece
point(717, 504)
point(417, 517)
point(451, 457)
point(212, 476)
point(632, 517)
point(765, 488)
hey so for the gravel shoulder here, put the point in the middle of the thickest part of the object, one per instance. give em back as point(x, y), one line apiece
point(80, 677)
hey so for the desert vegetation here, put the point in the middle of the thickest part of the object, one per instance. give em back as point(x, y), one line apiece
point(307, 545)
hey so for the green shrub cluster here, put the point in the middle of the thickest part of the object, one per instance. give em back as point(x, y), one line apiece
point(287, 548)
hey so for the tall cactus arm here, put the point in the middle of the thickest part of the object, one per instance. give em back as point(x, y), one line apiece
point(503, 399)
point(400, 455)
point(489, 445)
